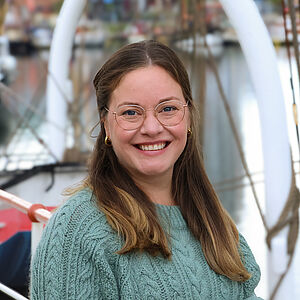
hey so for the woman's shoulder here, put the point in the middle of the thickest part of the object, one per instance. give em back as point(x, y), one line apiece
point(247, 256)
point(76, 242)
point(83, 201)
point(79, 217)
point(250, 264)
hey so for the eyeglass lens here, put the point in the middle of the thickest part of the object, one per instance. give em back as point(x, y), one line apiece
point(168, 113)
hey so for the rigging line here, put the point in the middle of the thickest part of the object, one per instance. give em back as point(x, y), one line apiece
point(295, 34)
point(86, 100)
point(237, 186)
point(75, 109)
point(244, 162)
point(33, 99)
point(13, 137)
point(282, 276)
point(32, 130)
point(194, 34)
point(20, 122)
point(235, 179)
point(16, 136)
point(13, 94)
point(83, 84)
point(295, 114)
point(202, 85)
point(235, 132)
point(217, 184)
point(288, 217)
point(288, 48)
point(60, 89)
point(4, 150)
point(91, 116)
point(36, 97)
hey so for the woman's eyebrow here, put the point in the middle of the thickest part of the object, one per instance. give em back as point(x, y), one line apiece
point(138, 104)
point(169, 98)
point(128, 103)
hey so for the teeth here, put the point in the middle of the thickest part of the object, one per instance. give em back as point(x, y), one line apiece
point(152, 147)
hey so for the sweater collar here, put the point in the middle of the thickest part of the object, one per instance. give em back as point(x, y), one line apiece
point(170, 215)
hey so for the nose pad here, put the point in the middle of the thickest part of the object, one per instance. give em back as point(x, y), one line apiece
point(151, 125)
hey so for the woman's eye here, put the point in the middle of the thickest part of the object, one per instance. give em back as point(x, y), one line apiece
point(129, 113)
point(169, 109)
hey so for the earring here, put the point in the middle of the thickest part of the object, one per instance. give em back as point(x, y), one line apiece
point(107, 141)
point(189, 132)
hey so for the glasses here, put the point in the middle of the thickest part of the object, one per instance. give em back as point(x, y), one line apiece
point(168, 113)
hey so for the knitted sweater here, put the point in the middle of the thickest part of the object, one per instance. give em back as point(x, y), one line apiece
point(76, 259)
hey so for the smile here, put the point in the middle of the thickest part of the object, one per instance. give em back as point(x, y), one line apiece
point(153, 147)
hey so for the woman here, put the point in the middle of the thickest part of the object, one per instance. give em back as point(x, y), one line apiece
point(146, 223)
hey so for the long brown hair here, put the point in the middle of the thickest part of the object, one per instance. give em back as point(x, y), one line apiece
point(128, 209)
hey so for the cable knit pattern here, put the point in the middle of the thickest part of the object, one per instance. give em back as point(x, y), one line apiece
point(76, 259)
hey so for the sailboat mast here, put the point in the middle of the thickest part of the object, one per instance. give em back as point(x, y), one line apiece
point(59, 87)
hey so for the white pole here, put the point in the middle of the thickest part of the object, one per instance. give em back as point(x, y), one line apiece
point(36, 234)
point(42, 215)
point(8, 291)
point(261, 59)
point(58, 84)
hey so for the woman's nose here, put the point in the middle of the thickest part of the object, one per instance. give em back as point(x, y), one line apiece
point(151, 125)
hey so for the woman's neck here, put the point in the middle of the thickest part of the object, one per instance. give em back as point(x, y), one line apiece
point(158, 189)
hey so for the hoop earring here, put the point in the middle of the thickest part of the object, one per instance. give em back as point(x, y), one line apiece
point(107, 141)
point(189, 132)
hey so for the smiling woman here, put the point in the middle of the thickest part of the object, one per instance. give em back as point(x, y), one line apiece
point(146, 222)
point(149, 135)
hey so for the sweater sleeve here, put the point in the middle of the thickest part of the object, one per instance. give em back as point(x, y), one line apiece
point(253, 269)
point(75, 259)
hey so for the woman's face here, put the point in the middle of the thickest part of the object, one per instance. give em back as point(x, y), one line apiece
point(152, 149)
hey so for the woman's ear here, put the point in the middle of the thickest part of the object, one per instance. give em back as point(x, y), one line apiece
point(106, 127)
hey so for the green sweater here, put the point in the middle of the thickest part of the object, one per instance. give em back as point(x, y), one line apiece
point(76, 259)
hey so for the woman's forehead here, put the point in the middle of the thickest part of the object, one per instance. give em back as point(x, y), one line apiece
point(145, 86)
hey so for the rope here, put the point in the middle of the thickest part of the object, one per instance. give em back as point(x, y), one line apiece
point(284, 12)
point(234, 131)
point(13, 95)
point(35, 97)
point(289, 215)
point(24, 120)
point(295, 34)
point(60, 89)
point(32, 130)
point(237, 186)
point(235, 179)
point(18, 127)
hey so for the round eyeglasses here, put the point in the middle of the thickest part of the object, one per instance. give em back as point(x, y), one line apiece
point(131, 117)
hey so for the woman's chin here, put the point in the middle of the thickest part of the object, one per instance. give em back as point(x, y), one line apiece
point(156, 171)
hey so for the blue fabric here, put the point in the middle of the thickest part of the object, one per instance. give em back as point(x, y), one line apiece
point(15, 260)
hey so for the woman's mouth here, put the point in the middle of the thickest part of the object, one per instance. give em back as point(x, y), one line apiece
point(153, 147)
